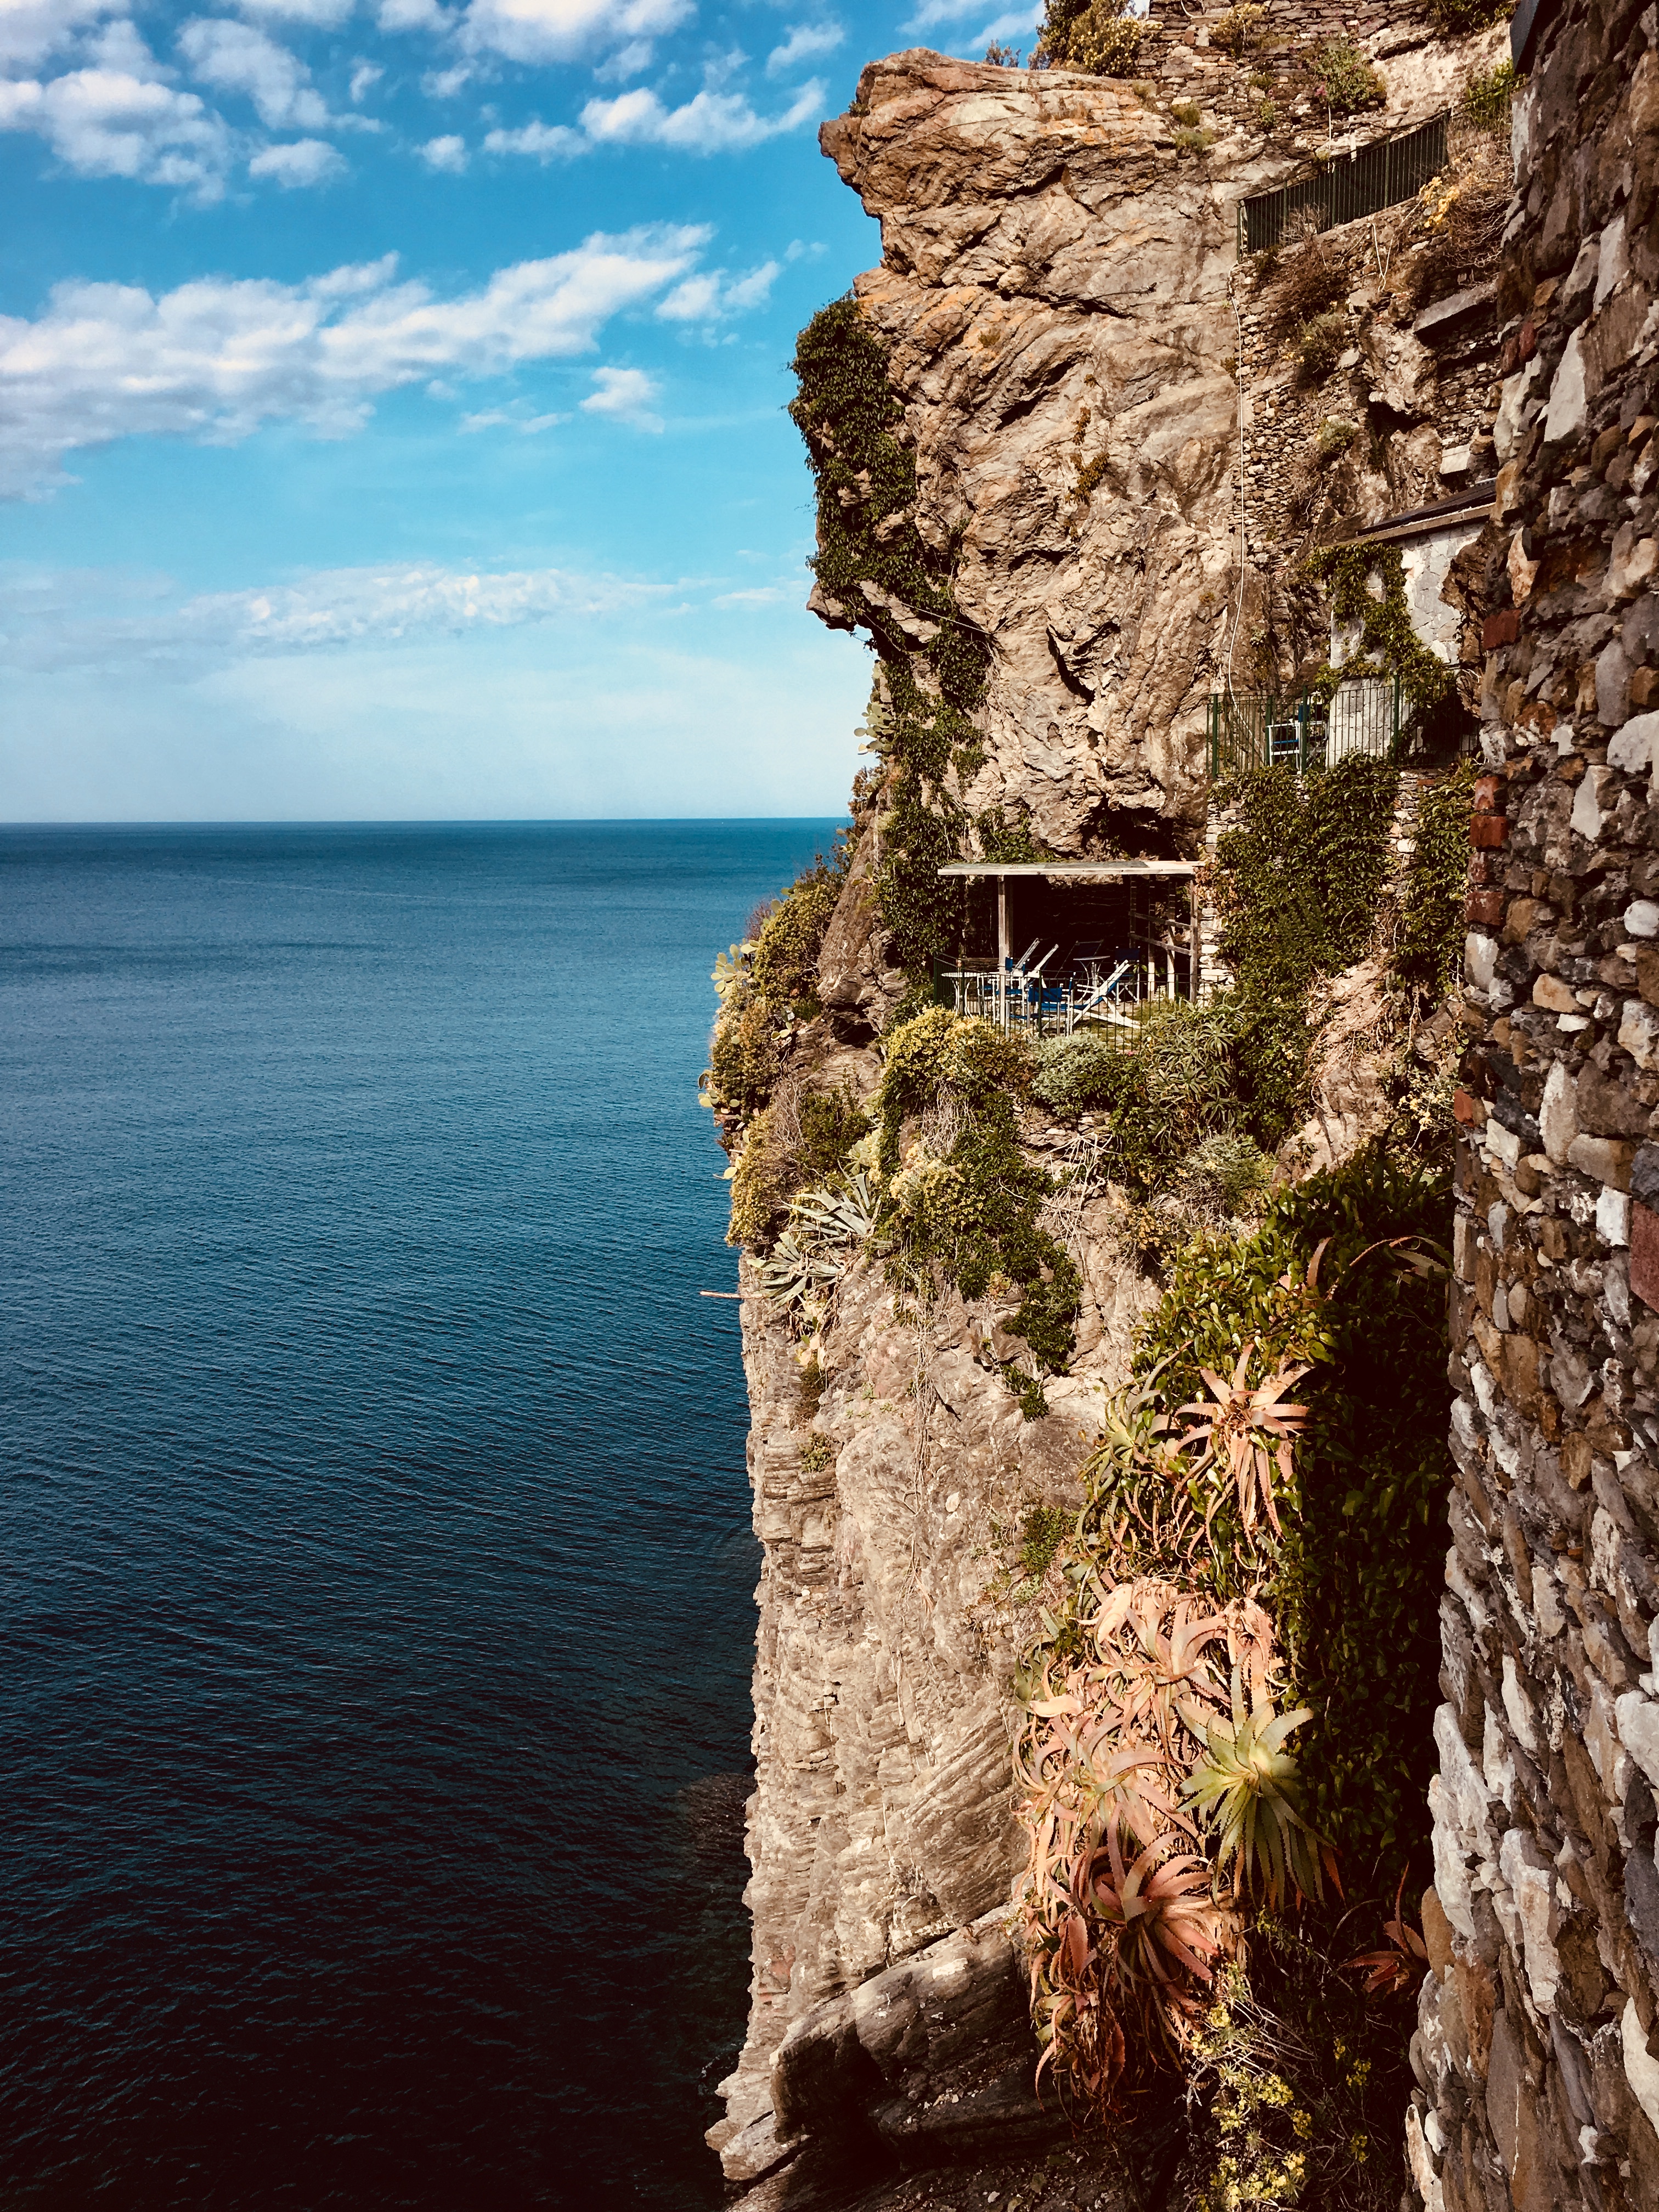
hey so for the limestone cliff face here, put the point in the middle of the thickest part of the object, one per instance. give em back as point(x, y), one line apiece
point(1057, 290)
point(887, 1488)
point(1059, 284)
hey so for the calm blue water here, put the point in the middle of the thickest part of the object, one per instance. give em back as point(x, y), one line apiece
point(374, 1535)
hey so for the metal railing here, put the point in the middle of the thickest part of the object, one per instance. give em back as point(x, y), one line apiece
point(1255, 730)
point(1107, 992)
point(1351, 186)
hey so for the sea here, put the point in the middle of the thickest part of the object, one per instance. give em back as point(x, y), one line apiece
point(377, 1571)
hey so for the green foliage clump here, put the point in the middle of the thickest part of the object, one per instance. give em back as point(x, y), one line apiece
point(865, 479)
point(1336, 435)
point(1459, 15)
point(1320, 344)
point(1488, 98)
point(966, 1212)
point(1355, 1583)
point(1343, 79)
point(1304, 2083)
point(759, 1183)
point(1388, 643)
point(1013, 841)
point(1430, 940)
point(817, 1453)
point(1193, 142)
point(831, 1123)
point(1163, 1093)
point(1298, 885)
point(1092, 35)
point(746, 1056)
point(1042, 1531)
point(1187, 111)
point(1239, 29)
point(784, 961)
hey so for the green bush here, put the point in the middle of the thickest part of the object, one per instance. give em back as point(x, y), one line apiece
point(1239, 29)
point(1092, 35)
point(1343, 79)
point(1163, 1093)
point(831, 1123)
point(785, 964)
point(1336, 435)
point(1488, 99)
point(1459, 16)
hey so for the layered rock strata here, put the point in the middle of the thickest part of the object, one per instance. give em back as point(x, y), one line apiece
point(1538, 2052)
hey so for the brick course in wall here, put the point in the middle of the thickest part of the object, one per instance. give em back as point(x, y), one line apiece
point(1538, 2045)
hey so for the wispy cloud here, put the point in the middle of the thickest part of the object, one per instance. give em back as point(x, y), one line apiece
point(299, 164)
point(714, 294)
point(564, 30)
point(235, 57)
point(45, 621)
point(710, 123)
point(806, 42)
point(32, 29)
point(626, 395)
point(214, 360)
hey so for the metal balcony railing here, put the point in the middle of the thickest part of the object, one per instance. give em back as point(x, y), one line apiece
point(1252, 730)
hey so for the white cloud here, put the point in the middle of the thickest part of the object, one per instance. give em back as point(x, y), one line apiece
point(214, 360)
point(412, 15)
point(712, 123)
point(806, 42)
point(109, 123)
point(303, 161)
point(626, 61)
point(45, 621)
point(448, 155)
point(444, 84)
point(235, 57)
point(626, 395)
point(32, 29)
point(510, 418)
point(561, 30)
point(321, 14)
point(364, 78)
point(543, 142)
point(713, 295)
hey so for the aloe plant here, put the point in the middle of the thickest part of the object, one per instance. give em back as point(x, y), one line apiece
point(817, 1241)
point(1245, 1786)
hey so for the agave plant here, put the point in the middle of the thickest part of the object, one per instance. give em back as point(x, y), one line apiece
point(811, 1256)
point(1245, 1786)
point(1398, 1968)
point(1252, 1429)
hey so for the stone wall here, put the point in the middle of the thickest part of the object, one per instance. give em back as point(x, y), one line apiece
point(1538, 2051)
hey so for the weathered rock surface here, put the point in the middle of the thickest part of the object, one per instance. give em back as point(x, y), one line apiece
point(1538, 2048)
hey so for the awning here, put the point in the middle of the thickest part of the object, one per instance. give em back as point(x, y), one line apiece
point(1081, 871)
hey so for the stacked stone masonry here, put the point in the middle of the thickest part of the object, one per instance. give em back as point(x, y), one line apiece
point(1538, 2048)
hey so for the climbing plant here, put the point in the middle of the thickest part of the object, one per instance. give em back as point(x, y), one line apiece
point(873, 562)
point(1431, 939)
point(1388, 643)
point(1297, 887)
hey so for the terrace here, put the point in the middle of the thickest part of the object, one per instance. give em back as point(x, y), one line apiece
point(1101, 939)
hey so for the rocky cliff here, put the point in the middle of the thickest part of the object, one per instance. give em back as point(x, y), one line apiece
point(1065, 329)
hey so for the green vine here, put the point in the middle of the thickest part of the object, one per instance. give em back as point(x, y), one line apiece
point(866, 478)
point(964, 1211)
point(1388, 644)
point(1430, 940)
point(1298, 885)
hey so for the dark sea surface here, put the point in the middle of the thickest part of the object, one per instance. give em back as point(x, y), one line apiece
point(377, 1569)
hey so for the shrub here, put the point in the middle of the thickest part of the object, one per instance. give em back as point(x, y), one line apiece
point(1311, 280)
point(1336, 435)
point(785, 960)
point(1188, 112)
point(1239, 29)
point(1343, 79)
point(1321, 344)
point(1193, 142)
point(758, 1185)
point(1488, 99)
point(1458, 15)
point(1093, 35)
point(831, 1123)
point(745, 1057)
point(1163, 1093)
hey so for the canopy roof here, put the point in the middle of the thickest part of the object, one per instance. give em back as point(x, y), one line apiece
point(1083, 872)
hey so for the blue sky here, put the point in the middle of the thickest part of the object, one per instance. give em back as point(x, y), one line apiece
point(390, 404)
